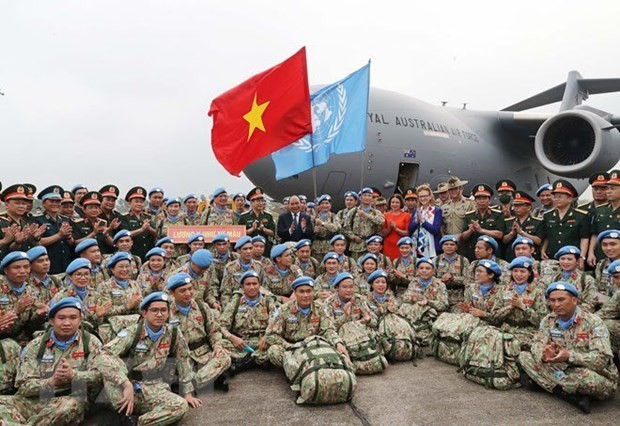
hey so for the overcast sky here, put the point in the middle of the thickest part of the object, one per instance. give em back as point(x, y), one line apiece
point(117, 92)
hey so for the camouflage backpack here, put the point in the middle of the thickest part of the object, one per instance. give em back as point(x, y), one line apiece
point(489, 358)
point(397, 338)
point(449, 332)
point(362, 346)
point(320, 374)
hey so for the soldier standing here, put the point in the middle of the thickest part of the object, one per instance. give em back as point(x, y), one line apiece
point(454, 210)
point(546, 200)
point(256, 220)
point(522, 224)
point(142, 226)
point(482, 221)
point(362, 222)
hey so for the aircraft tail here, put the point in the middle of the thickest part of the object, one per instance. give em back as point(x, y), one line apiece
point(572, 93)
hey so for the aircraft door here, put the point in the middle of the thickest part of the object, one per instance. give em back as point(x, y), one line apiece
point(407, 176)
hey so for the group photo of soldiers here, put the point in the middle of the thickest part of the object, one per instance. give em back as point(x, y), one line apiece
point(101, 309)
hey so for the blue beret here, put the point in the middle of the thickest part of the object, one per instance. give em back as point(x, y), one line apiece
point(78, 187)
point(13, 256)
point(521, 262)
point(243, 241)
point(351, 194)
point(311, 205)
point(302, 197)
point(247, 204)
point(609, 233)
point(303, 243)
point(237, 195)
point(117, 257)
point(337, 237)
point(614, 267)
point(165, 200)
point(163, 241)
point(202, 258)
point(330, 255)
point(189, 197)
point(341, 277)
point(324, 197)
point(286, 199)
point(522, 240)
point(489, 240)
point(377, 274)
point(66, 302)
point(248, 274)
point(221, 238)
point(76, 264)
point(36, 252)
point(196, 237)
point(366, 257)
point(156, 189)
point(218, 191)
point(259, 239)
point(545, 187)
point(366, 190)
point(562, 285)
point(447, 238)
point(567, 250)
point(178, 280)
point(277, 251)
point(375, 239)
point(121, 234)
point(491, 266)
point(301, 281)
point(424, 260)
point(156, 296)
point(87, 243)
point(405, 241)
point(155, 251)
point(173, 200)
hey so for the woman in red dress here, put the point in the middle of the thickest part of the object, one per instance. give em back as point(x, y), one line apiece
point(395, 226)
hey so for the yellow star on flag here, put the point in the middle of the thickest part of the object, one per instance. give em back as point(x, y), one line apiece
point(255, 117)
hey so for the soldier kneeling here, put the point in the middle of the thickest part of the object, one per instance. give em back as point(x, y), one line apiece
point(571, 354)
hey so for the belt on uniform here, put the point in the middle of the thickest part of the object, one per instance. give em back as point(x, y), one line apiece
point(196, 345)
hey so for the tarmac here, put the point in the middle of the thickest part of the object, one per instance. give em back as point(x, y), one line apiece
point(431, 393)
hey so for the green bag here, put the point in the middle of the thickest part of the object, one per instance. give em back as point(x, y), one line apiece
point(489, 358)
point(319, 372)
point(449, 332)
point(397, 338)
point(362, 346)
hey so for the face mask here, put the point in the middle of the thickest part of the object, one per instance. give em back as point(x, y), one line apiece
point(505, 198)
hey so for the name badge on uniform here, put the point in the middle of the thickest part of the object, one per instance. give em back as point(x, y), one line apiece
point(325, 286)
point(174, 321)
point(4, 300)
point(556, 333)
point(507, 296)
point(292, 320)
point(276, 280)
point(242, 309)
point(47, 358)
point(338, 311)
point(141, 347)
point(372, 307)
point(117, 293)
point(237, 274)
point(363, 286)
point(475, 296)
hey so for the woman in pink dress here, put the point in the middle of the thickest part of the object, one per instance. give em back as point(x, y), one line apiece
point(395, 226)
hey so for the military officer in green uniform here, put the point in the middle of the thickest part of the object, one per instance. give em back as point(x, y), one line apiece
point(564, 225)
point(257, 221)
point(142, 227)
point(481, 221)
point(67, 205)
point(522, 224)
point(505, 194)
point(598, 183)
point(605, 217)
point(78, 192)
point(91, 225)
point(109, 195)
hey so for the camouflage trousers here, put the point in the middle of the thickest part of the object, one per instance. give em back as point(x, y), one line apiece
point(62, 410)
point(456, 295)
point(524, 334)
point(614, 333)
point(421, 319)
point(155, 404)
point(572, 379)
point(238, 354)
point(8, 368)
point(214, 367)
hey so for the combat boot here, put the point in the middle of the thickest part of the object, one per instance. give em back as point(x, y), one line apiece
point(246, 363)
point(580, 401)
point(528, 383)
point(221, 383)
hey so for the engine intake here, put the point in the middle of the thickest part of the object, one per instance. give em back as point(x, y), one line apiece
point(574, 144)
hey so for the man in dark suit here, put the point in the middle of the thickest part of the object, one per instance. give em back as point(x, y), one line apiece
point(295, 224)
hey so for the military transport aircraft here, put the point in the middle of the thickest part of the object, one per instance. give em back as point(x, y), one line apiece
point(410, 142)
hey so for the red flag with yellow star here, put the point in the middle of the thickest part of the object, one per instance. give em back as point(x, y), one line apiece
point(262, 114)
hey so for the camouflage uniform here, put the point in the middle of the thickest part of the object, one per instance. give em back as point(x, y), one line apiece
point(279, 284)
point(503, 265)
point(604, 281)
point(345, 264)
point(288, 326)
point(406, 267)
point(135, 263)
point(485, 302)
point(610, 314)
point(329, 227)
point(359, 306)
point(265, 262)
point(591, 372)
point(586, 286)
point(219, 263)
point(89, 305)
point(170, 265)
point(9, 355)
point(98, 275)
point(27, 322)
point(454, 215)
point(324, 283)
point(545, 270)
point(421, 317)
point(362, 286)
point(232, 275)
point(37, 402)
point(248, 323)
point(195, 219)
point(214, 217)
point(458, 268)
point(119, 316)
point(44, 291)
point(363, 225)
point(206, 286)
point(180, 248)
point(144, 363)
point(521, 324)
point(150, 282)
point(201, 330)
point(310, 268)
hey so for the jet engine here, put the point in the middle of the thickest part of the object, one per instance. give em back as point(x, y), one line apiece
point(577, 143)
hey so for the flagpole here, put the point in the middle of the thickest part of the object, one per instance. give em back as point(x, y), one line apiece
point(362, 171)
point(366, 127)
point(314, 183)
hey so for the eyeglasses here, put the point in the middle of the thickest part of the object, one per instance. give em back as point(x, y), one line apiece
point(156, 311)
point(81, 275)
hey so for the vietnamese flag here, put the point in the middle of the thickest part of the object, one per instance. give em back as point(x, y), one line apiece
point(262, 114)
